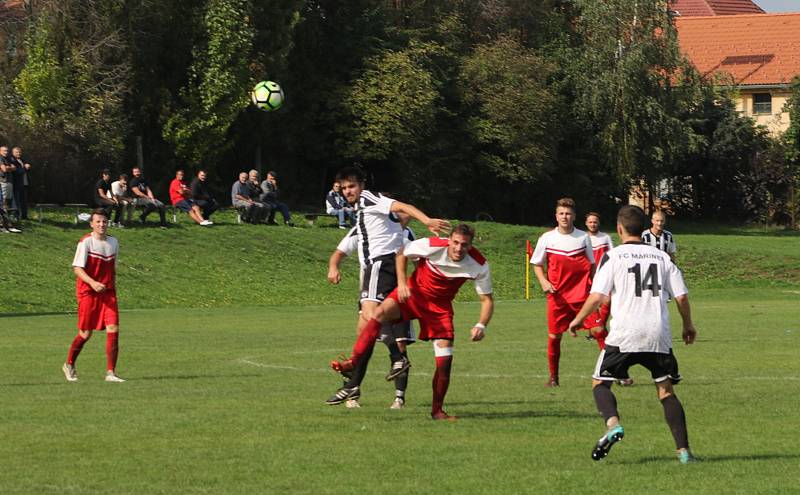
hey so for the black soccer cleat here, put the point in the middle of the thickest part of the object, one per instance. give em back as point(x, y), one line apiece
point(342, 395)
point(398, 368)
point(607, 441)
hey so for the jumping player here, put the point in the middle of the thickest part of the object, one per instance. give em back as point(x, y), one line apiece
point(601, 242)
point(95, 270)
point(402, 333)
point(567, 252)
point(639, 279)
point(380, 237)
point(443, 267)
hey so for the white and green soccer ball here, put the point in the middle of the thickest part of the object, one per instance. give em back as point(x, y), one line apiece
point(267, 95)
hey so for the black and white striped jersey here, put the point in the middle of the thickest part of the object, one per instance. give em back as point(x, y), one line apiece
point(379, 232)
point(663, 241)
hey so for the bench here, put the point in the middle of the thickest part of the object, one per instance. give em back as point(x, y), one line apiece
point(311, 218)
point(40, 207)
point(77, 207)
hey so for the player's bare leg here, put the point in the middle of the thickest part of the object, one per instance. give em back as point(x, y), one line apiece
point(607, 406)
point(676, 420)
point(553, 357)
point(443, 352)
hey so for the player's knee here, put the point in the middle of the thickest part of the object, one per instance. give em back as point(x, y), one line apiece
point(442, 348)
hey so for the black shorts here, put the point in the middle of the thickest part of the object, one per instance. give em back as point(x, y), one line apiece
point(379, 279)
point(613, 365)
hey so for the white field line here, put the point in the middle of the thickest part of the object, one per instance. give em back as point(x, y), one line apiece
point(250, 362)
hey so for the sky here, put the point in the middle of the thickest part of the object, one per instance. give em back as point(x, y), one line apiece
point(779, 5)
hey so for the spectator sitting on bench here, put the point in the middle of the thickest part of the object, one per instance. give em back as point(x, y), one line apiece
point(269, 196)
point(104, 199)
point(201, 195)
point(336, 205)
point(251, 211)
point(121, 193)
point(144, 197)
point(180, 196)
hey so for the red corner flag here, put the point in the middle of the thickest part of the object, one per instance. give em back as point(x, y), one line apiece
point(528, 248)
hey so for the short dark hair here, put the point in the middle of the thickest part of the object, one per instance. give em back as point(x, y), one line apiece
point(123, 176)
point(106, 171)
point(202, 170)
point(632, 219)
point(351, 173)
point(565, 203)
point(592, 214)
point(273, 173)
point(99, 211)
point(464, 229)
point(179, 170)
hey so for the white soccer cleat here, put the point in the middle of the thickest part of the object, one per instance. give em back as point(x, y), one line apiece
point(206, 223)
point(398, 403)
point(112, 377)
point(14, 231)
point(69, 372)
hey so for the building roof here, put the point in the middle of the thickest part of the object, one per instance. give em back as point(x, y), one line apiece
point(715, 7)
point(762, 49)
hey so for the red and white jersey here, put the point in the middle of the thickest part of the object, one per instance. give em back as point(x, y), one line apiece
point(99, 259)
point(601, 243)
point(439, 277)
point(640, 280)
point(569, 260)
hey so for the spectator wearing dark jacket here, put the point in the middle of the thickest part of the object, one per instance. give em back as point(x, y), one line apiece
point(336, 205)
point(269, 196)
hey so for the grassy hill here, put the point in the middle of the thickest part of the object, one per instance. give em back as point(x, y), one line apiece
point(245, 265)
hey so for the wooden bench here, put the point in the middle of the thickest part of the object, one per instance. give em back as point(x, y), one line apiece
point(40, 207)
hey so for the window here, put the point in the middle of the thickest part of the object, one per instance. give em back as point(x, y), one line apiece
point(762, 103)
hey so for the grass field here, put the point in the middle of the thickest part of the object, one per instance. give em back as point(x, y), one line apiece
point(225, 337)
point(231, 401)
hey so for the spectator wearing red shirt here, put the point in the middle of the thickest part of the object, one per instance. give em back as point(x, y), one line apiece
point(180, 196)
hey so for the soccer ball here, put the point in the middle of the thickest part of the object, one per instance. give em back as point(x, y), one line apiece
point(267, 95)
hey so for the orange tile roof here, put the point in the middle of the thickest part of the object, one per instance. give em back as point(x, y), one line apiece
point(754, 49)
point(715, 7)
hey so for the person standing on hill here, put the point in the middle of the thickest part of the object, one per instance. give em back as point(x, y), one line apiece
point(639, 280)
point(95, 287)
point(567, 254)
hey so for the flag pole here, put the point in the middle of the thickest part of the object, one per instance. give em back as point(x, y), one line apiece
point(527, 269)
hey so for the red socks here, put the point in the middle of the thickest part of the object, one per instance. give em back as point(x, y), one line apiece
point(553, 355)
point(75, 349)
point(441, 381)
point(112, 350)
point(366, 339)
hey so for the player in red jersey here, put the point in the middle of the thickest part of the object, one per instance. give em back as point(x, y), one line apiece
point(595, 323)
point(95, 286)
point(567, 252)
point(443, 267)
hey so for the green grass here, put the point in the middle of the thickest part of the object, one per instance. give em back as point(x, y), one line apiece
point(225, 336)
point(230, 265)
point(230, 400)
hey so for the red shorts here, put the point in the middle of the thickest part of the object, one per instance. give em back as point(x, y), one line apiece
point(560, 313)
point(598, 318)
point(435, 316)
point(97, 311)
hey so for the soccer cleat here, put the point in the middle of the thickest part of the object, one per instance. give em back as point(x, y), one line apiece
point(112, 377)
point(443, 416)
point(607, 441)
point(625, 382)
point(343, 366)
point(342, 395)
point(552, 382)
point(398, 403)
point(685, 457)
point(14, 230)
point(205, 223)
point(398, 368)
point(69, 372)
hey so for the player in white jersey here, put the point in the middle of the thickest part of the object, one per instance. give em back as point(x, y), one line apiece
point(659, 238)
point(595, 323)
point(380, 237)
point(640, 280)
point(402, 333)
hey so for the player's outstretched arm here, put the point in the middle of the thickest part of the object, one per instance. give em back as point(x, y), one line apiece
point(435, 225)
point(592, 303)
point(689, 332)
point(487, 310)
point(334, 276)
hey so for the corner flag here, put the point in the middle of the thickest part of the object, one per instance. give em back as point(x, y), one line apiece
point(528, 254)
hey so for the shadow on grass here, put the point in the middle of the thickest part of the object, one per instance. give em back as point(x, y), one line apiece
point(529, 413)
point(719, 458)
